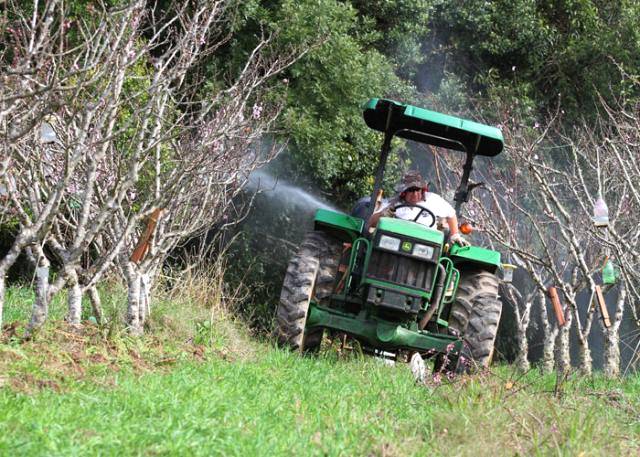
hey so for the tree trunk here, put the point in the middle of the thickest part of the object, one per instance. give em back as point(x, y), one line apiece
point(7, 261)
point(548, 349)
point(96, 303)
point(74, 298)
point(133, 298)
point(563, 355)
point(40, 310)
point(549, 342)
point(522, 310)
point(522, 360)
point(611, 366)
point(2, 289)
point(145, 295)
point(584, 354)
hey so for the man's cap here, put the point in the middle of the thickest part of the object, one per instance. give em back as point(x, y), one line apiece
point(412, 178)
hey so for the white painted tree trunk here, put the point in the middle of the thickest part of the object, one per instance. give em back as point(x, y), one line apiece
point(522, 360)
point(521, 305)
point(8, 260)
point(40, 310)
point(133, 298)
point(611, 365)
point(584, 356)
point(549, 338)
point(548, 349)
point(3, 278)
point(563, 355)
point(74, 299)
point(96, 304)
point(585, 362)
point(144, 309)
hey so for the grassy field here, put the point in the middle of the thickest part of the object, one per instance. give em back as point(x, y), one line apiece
point(206, 388)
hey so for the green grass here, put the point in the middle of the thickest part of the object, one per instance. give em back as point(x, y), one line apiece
point(19, 301)
point(18, 305)
point(281, 404)
point(97, 394)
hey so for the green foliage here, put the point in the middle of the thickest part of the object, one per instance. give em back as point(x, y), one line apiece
point(560, 52)
point(397, 29)
point(327, 139)
point(532, 56)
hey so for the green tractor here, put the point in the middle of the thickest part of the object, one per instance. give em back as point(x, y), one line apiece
point(402, 288)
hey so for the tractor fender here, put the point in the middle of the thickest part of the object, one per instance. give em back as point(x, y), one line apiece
point(339, 225)
point(475, 256)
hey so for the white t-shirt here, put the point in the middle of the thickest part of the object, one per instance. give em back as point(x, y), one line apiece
point(433, 202)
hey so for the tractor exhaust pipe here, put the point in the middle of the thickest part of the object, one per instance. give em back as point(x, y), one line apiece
point(435, 298)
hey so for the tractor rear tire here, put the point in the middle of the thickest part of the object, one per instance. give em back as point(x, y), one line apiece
point(310, 276)
point(475, 314)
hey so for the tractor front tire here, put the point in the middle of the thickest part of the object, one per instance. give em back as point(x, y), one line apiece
point(475, 314)
point(310, 276)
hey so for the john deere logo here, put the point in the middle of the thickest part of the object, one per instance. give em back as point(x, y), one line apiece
point(406, 246)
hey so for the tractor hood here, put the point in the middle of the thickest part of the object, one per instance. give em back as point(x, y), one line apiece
point(430, 127)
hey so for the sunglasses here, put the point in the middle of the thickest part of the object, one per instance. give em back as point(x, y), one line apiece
point(414, 189)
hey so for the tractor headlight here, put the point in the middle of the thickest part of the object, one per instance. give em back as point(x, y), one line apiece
point(425, 252)
point(388, 242)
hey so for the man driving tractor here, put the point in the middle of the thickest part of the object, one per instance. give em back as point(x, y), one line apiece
point(404, 287)
point(415, 202)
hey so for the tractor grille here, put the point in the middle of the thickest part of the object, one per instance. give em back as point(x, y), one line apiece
point(400, 269)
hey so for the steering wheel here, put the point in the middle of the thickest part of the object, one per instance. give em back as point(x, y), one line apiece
point(422, 209)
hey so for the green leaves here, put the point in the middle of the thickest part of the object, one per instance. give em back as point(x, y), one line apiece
point(555, 52)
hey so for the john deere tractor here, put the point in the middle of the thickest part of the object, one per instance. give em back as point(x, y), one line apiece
point(401, 288)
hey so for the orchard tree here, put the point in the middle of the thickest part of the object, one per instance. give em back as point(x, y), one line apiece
point(127, 129)
point(540, 211)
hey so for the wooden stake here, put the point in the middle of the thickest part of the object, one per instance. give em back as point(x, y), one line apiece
point(378, 200)
point(145, 239)
point(603, 307)
point(557, 306)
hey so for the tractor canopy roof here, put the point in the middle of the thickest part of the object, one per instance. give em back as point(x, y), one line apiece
point(434, 128)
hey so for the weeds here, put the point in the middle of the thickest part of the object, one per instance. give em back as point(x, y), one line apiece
point(190, 321)
point(283, 404)
point(196, 385)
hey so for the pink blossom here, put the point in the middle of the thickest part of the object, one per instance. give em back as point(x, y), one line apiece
point(257, 111)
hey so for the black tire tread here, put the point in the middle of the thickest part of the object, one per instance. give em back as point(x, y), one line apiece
point(475, 314)
point(310, 274)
